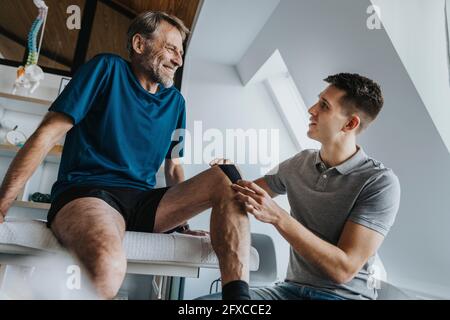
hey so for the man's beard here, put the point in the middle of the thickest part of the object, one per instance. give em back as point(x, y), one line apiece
point(158, 73)
point(155, 70)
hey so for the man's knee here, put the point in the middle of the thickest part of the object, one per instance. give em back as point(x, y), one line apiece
point(106, 269)
point(231, 172)
point(224, 176)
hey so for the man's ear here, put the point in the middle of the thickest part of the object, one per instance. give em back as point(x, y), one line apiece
point(353, 123)
point(138, 43)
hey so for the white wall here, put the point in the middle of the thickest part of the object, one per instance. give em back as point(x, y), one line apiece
point(215, 96)
point(418, 32)
point(322, 37)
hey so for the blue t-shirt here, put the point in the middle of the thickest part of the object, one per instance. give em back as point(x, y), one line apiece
point(121, 132)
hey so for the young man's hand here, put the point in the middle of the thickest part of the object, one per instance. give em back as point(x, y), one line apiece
point(258, 202)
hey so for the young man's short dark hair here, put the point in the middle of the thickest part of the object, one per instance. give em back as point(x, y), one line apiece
point(363, 96)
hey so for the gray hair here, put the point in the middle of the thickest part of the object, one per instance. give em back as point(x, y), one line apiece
point(148, 22)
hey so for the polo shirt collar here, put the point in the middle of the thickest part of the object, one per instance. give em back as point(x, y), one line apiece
point(344, 168)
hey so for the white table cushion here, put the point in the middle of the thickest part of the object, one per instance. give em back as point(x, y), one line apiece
point(18, 236)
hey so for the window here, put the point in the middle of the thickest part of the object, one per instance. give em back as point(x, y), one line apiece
point(287, 98)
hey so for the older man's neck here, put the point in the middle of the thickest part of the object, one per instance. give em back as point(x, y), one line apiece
point(146, 83)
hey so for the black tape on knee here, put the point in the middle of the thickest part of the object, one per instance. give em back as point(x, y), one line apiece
point(231, 172)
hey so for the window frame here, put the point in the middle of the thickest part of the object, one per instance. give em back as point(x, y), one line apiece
point(289, 102)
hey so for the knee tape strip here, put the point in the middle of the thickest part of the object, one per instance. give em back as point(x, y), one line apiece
point(231, 172)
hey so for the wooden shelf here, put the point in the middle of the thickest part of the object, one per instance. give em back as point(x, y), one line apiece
point(53, 156)
point(24, 104)
point(26, 99)
point(32, 205)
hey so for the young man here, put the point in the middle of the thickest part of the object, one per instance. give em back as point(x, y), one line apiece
point(342, 201)
point(119, 118)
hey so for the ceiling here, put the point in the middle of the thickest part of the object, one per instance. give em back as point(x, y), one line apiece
point(183, 9)
point(225, 29)
point(59, 47)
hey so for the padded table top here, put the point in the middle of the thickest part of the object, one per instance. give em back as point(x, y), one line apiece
point(19, 236)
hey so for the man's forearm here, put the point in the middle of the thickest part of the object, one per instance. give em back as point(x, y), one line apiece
point(174, 175)
point(22, 167)
point(331, 260)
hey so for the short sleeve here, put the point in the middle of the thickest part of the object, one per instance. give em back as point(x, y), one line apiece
point(377, 205)
point(83, 89)
point(176, 149)
point(276, 178)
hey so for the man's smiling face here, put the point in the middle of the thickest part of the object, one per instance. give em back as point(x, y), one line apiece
point(163, 54)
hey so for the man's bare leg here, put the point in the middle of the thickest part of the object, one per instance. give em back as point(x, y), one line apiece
point(230, 229)
point(94, 231)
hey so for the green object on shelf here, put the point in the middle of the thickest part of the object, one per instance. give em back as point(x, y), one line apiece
point(40, 197)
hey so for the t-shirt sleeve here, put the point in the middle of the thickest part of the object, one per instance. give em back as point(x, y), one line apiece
point(83, 89)
point(276, 178)
point(176, 149)
point(378, 203)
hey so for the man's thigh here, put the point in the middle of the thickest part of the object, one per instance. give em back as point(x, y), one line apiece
point(89, 226)
point(290, 291)
point(183, 201)
point(275, 292)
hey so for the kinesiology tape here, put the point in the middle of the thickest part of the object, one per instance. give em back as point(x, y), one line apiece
point(231, 172)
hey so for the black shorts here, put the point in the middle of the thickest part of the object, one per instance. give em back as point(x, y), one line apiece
point(137, 207)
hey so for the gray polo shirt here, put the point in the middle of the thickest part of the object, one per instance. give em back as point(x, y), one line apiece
point(323, 199)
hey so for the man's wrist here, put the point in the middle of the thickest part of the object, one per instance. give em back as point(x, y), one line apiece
point(282, 217)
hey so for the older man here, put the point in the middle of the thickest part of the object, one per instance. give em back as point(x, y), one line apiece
point(119, 118)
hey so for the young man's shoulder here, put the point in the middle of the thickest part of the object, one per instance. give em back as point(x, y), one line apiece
point(379, 172)
point(375, 165)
